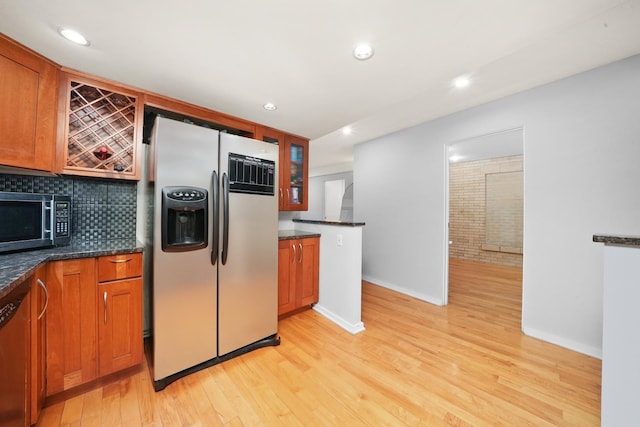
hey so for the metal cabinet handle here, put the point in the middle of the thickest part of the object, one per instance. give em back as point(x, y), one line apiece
point(294, 252)
point(105, 307)
point(300, 260)
point(46, 298)
point(280, 193)
point(118, 261)
point(288, 196)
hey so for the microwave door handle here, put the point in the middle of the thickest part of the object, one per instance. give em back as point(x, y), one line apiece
point(225, 218)
point(47, 233)
point(215, 219)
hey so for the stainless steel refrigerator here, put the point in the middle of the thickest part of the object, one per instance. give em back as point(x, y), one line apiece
point(215, 247)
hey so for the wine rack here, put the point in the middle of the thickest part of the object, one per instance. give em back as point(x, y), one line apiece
point(101, 136)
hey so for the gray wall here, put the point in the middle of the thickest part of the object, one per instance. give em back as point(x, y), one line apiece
point(581, 151)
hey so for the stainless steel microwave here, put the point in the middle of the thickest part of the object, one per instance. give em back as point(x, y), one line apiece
point(29, 221)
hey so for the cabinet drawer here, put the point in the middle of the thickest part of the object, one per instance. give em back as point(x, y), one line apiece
point(115, 267)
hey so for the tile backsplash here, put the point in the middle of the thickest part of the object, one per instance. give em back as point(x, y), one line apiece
point(102, 209)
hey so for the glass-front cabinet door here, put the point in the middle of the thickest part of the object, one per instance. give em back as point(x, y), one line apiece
point(296, 173)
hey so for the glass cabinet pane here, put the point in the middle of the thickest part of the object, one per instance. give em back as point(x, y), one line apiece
point(297, 154)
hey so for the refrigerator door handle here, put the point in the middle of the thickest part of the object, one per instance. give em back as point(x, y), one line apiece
point(216, 222)
point(225, 218)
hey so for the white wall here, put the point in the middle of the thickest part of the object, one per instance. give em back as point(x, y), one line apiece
point(316, 193)
point(581, 152)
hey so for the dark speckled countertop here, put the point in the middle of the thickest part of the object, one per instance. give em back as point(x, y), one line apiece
point(295, 234)
point(617, 240)
point(17, 266)
point(337, 223)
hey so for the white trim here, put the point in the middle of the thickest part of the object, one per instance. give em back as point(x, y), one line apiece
point(353, 328)
point(563, 342)
point(411, 293)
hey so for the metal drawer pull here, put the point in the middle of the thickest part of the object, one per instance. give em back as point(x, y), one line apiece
point(118, 261)
point(294, 252)
point(300, 244)
point(46, 298)
point(105, 308)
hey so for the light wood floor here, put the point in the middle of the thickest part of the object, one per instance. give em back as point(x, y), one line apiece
point(466, 364)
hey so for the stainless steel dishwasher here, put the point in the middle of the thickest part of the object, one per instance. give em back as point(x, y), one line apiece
point(14, 346)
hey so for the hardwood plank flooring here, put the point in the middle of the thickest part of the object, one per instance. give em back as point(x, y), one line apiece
point(416, 364)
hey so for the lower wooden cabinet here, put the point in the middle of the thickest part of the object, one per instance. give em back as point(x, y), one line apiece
point(298, 273)
point(38, 358)
point(119, 312)
point(94, 327)
point(71, 324)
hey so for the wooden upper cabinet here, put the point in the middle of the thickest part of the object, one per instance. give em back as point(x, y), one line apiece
point(28, 101)
point(294, 168)
point(295, 171)
point(100, 129)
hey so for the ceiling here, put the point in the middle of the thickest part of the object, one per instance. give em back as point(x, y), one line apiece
point(234, 56)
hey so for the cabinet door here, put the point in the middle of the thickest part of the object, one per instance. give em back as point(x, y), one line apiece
point(286, 276)
point(308, 271)
point(120, 325)
point(39, 304)
point(71, 324)
point(295, 173)
point(28, 101)
point(101, 128)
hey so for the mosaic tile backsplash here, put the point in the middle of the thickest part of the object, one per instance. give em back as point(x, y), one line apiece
point(102, 209)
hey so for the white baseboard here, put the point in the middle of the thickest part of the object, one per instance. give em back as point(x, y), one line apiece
point(419, 295)
point(353, 328)
point(563, 342)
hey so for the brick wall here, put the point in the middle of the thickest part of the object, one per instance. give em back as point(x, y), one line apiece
point(468, 211)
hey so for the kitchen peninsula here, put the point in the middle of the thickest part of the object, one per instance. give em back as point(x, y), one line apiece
point(620, 341)
point(340, 270)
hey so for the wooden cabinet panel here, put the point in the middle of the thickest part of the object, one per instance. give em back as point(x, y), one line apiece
point(120, 325)
point(298, 273)
point(71, 324)
point(115, 267)
point(28, 101)
point(38, 358)
point(286, 277)
point(14, 353)
point(309, 265)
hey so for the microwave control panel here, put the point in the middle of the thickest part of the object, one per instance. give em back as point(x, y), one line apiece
point(62, 218)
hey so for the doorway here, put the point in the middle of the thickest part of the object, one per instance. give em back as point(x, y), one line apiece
point(485, 199)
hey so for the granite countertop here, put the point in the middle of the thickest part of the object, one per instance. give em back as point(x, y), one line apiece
point(322, 222)
point(17, 266)
point(295, 234)
point(617, 240)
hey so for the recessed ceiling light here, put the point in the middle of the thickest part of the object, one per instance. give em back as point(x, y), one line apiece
point(346, 130)
point(461, 82)
point(363, 51)
point(74, 36)
point(270, 106)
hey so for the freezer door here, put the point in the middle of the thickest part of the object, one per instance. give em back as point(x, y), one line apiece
point(248, 262)
point(184, 283)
